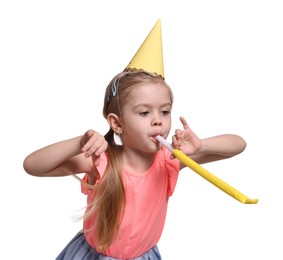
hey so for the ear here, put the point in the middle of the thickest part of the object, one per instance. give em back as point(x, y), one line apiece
point(115, 123)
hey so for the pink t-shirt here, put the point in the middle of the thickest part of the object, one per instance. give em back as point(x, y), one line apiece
point(147, 197)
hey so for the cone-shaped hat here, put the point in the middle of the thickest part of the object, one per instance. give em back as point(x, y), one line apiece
point(149, 56)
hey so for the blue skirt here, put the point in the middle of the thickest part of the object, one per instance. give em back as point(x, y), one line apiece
point(79, 249)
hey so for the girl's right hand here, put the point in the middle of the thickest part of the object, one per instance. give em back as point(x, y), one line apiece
point(93, 145)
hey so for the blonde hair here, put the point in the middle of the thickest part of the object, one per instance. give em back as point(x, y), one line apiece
point(109, 199)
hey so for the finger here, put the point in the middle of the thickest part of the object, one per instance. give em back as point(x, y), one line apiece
point(87, 146)
point(96, 148)
point(90, 133)
point(175, 141)
point(91, 151)
point(178, 133)
point(85, 140)
point(91, 145)
point(101, 149)
point(184, 123)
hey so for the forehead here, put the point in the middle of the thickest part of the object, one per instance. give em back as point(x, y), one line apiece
point(151, 93)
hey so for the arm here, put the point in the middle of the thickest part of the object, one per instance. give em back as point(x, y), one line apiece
point(208, 149)
point(219, 147)
point(77, 155)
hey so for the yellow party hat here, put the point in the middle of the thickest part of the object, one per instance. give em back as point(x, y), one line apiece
point(149, 56)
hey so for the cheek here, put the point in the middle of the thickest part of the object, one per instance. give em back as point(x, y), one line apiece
point(133, 133)
point(166, 126)
point(167, 120)
point(135, 126)
point(131, 119)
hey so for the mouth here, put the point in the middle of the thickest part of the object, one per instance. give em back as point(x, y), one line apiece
point(155, 139)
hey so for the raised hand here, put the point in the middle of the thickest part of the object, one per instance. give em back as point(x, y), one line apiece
point(186, 140)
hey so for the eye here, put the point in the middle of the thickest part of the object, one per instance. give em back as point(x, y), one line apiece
point(165, 112)
point(144, 113)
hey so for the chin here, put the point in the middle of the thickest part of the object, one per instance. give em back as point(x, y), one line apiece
point(156, 149)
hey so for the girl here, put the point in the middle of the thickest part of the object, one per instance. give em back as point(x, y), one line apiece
point(128, 184)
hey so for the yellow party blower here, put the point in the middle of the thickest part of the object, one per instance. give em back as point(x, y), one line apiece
point(206, 174)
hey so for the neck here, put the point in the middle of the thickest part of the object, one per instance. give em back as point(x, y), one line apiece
point(137, 161)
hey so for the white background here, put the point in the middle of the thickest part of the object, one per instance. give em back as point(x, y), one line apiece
point(223, 60)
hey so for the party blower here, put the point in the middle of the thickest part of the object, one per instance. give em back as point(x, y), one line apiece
point(206, 174)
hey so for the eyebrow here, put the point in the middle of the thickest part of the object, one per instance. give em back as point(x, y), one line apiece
point(149, 105)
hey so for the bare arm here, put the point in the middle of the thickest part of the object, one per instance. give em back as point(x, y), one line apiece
point(219, 147)
point(76, 155)
point(59, 159)
point(208, 149)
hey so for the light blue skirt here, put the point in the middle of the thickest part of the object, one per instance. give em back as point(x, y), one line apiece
point(79, 249)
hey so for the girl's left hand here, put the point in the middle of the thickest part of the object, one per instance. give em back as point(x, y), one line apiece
point(186, 140)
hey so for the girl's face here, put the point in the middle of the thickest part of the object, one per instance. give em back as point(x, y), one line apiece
point(147, 113)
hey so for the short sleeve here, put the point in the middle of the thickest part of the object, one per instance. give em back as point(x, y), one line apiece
point(172, 167)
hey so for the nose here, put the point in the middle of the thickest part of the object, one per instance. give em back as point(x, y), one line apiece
point(156, 120)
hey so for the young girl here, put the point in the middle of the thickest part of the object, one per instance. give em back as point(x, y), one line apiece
point(128, 184)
